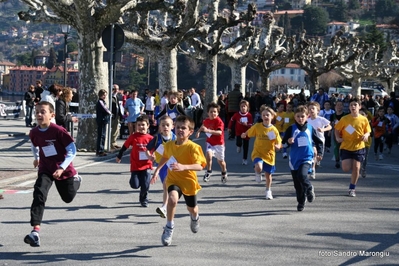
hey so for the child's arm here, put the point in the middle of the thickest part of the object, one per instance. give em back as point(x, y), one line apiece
point(244, 135)
point(319, 145)
point(71, 154)
point(327, 128)
point(287, 139)
point(35, 152)
point(120, 154)
point(156, 172)
point(184, 167)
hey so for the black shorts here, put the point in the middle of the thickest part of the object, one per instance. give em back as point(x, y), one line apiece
point(191, 201)
point(355, 155)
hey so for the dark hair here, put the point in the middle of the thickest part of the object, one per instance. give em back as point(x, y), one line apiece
point(101, 93)
point(355, 99)
point(185, 119)
point(44, 103)
point(143, 118)
point(213, 105)
point(55, 89)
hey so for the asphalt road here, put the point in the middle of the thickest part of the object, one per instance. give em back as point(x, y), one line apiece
point(105, 224)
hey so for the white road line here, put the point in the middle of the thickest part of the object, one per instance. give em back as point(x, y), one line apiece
point(26, 183)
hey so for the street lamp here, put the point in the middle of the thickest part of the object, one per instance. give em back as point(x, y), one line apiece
point(65, 30)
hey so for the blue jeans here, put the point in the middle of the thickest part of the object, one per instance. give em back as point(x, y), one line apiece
point(141, 179)
point(301, 182)
point(28, 115)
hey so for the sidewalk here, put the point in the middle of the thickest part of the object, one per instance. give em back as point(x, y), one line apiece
point(17, 159)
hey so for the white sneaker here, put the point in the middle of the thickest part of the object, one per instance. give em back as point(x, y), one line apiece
point(258, 178)
point(269, 195)
point(161, 211)
point(167, 236)
point(238, 149)
point(244, 162)
point(285, 155)
point(380, 157)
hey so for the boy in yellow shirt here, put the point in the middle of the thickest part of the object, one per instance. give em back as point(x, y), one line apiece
point(183, 158)
point(289, 119)
point(267, 140)
point(352, 131)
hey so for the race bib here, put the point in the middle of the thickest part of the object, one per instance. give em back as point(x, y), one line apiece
point(172, 115)
point(170, 162)
point(286, 120)
point(271, 135)
point(244, 120)
point(278, 118)
point(160, 149)
point(302, 141)
point(142, 156)
point(350, 129)
point(49, 150)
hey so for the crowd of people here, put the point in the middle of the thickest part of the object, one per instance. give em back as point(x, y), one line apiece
point(303, 128)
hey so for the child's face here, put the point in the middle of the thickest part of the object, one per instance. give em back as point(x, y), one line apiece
point(267, 117)
point(142, 127)
point(313, 111)
point(243, 108)
point(381, 112)
point(354, 107)
point(43, 115)
point(213, 113)
point(390, 110)
point(183, 130)
point(104, 96)
point(301, 118)
point(172, 99)
point(339, 106)
point(280, 108)
point(134, 95)
point(327, 106)
point(166, 127)
point(289, 108)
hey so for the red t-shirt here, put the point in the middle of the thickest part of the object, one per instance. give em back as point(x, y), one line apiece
point(138, 158)
point(239, 118)
point(57, 138)
point(214, 124)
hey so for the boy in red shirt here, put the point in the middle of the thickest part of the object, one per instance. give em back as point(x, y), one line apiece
point(140, 164)
point(213, 127)
point(243, 121)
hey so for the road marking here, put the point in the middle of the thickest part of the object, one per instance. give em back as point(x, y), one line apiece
point(26, 183)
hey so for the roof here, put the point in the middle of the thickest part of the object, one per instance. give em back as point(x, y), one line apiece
point(7, 63)
point(337, 23)
point(289, 12)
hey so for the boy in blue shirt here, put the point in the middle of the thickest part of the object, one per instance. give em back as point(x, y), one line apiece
point(301, 136)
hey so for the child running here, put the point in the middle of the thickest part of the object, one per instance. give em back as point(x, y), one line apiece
point(242, 121)
point(183, 158)
point(53, 149)
point(172, 108)
point(352, 131)
point(140, 165)
point(321, 125)
point(213, 127)
point(363, 171)
point(156, 147)
point(339, 113)
point(301, 136)
point(379, 124)
point(267, 140)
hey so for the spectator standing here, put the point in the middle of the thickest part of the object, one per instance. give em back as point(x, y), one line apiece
point(134, 107)
point(116, 115)
point(62, 115)
point(321, 97)
point(29, 98)
point(38, 90)
point(102, 119)
point(196, 106)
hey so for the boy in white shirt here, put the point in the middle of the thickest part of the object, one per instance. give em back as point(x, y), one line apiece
point(321, 125)
point(327, 112)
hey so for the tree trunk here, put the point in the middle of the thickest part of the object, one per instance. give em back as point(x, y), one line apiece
point(167, 70)
point(356, 86)
point(238, 75)
point(211, 80)
point(314, 83)
point(93, 77)
point(265, 82)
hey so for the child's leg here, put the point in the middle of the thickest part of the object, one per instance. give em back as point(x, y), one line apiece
point(222, 165)
point(347, 165)
point(192, 207)
point(134, 180)
point(41, 189)
point(66, 188)
point(268, 180)
point(355, 171)
point(165, 195)
point(209, 155)
point(246, 147)
point(144, 180)
point(238, 141)
point(173, 198)
point(376, 144)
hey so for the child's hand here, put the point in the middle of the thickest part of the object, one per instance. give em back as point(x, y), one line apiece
point(35, 163)
point(243, 135)
point(277, 146)
point(177, 167)
point(319, 129)
point(118, 160)
point(57, 174)
point(365, 137)
point(154, 178)
point(290, 140)
point(197, 134)
point(319, 158)
point(151, 157)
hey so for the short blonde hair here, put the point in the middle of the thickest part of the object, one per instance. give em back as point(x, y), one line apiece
point(316, 104)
